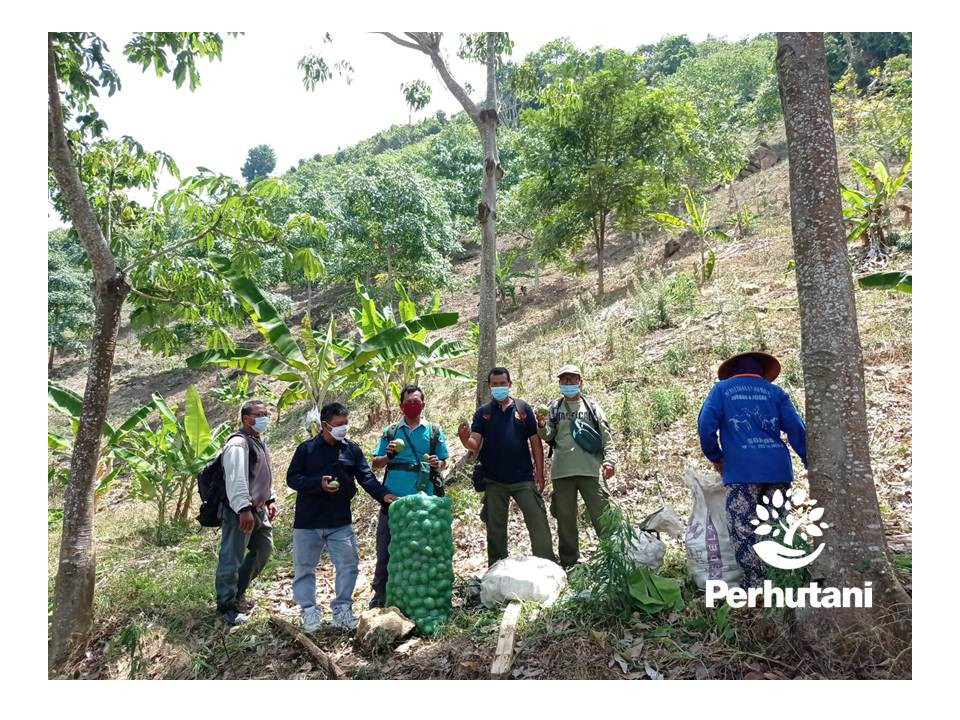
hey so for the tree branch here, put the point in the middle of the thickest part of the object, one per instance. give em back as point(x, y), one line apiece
point(405, 43)
point(429, 44)
point(175, 246)
point(61, 161)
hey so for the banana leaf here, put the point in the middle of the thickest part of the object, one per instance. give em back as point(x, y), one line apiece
point(898, 280)
point(251, 361)
point(263, 314)
point(195, 423)
point(653, 593)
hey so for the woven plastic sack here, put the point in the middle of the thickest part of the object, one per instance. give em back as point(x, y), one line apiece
point(522, 578)
point(710, 554)
point(420, 569)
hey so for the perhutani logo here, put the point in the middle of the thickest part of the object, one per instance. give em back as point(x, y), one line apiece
point(782, 517)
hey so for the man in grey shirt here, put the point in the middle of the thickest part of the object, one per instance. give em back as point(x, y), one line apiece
point(247, 534)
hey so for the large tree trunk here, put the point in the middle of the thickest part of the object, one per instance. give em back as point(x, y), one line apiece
point(487, 215)
point(486, 122)
point(837, 437)
point(50, 361)
point(76, 574)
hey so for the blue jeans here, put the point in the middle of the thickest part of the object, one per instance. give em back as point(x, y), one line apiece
point(235, 571)
point(341, 544)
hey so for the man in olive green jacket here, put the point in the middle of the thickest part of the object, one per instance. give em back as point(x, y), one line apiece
point(574, 469)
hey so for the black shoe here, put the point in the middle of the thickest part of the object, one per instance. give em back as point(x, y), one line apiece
point(377, 601)
point(232, 616)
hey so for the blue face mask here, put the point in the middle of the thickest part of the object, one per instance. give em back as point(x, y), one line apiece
point(261, 424)
point(499, 393)
point(570, 390)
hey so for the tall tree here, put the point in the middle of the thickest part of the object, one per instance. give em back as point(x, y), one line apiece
point(488, 47)
point(601, 143)
point(261, 160)
point(837, 435)
point(217, 210)
point(417, 96)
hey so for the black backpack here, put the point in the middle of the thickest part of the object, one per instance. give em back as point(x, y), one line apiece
point(212, 485)
point(391, 434)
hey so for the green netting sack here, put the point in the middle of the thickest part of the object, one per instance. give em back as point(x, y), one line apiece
point(420, 570)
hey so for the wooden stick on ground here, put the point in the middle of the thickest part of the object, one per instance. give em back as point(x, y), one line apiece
point(503, 658)
point(326, 662)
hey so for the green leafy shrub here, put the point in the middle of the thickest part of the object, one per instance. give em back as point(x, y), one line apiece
point(667, 405)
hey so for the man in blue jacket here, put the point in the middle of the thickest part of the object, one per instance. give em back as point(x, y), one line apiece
point(324, 472)
point(749, 412)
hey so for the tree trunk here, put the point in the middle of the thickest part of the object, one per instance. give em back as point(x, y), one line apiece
point(837, 437)
point(76, 573)
point(486, 122)
point(390, 285)
point(50, 361)
point(601, 237)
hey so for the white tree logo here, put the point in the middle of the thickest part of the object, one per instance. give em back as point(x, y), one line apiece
point(782, 516)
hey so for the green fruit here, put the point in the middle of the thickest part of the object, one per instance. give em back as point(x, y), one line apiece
point(426, 456)
point(398, 446)
point(334, 484)
point(543, 410)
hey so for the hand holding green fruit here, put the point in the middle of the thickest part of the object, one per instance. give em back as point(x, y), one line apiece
point(398, 446)
point(328, 484)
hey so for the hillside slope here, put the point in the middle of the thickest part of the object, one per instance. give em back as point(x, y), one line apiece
point(649, 379)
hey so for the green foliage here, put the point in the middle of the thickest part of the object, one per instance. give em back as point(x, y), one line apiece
point(652, 593)
point(667, 405)
point(676, 358)
point(602, 142)
point(317, 70)
point(261, 160)
point(69, 305)
point(416, 94)
point(164, 459)
point(507, 277)
point(876, 122)
point(658, 301)
point(734, 88)
point(869, 210)
point(860, 52)
point(665, 57)
point(70, 404)
point(411, 355)
point(742, 221)
point(697, 222)
point(393, 224)
point(897, 280)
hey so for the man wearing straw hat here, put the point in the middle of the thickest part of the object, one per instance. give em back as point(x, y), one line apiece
point(749, 413)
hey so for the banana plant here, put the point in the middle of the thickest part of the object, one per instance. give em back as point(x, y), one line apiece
point(164, 459)
point(901, 280)
point(507, 277)
point(320, 361)
point(70, 404)
point(698, 222)
point(410, 356)
point(869, 211)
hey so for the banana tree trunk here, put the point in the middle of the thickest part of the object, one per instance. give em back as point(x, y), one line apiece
point(837, 435)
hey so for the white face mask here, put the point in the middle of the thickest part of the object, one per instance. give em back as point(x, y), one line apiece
point(339, 432)
point(261, 424)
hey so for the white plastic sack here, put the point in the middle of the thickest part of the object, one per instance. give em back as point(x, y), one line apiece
point(709, 549)
point(522, 578)
point(647, 549)
point(664, 521)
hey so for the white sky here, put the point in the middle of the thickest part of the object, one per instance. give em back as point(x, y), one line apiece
point(255, 94)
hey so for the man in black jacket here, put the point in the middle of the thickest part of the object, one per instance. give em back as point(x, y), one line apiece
point(324, 472)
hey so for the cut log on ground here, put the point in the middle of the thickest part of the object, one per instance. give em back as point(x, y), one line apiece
point(503, 658)
point(326, 662)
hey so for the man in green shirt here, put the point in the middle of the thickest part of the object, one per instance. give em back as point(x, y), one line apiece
point(575, 469)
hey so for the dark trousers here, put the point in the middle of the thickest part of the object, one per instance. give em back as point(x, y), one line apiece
point(242, 555)
point(379, 583)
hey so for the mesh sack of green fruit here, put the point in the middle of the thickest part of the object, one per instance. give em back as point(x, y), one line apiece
point(420, 570)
